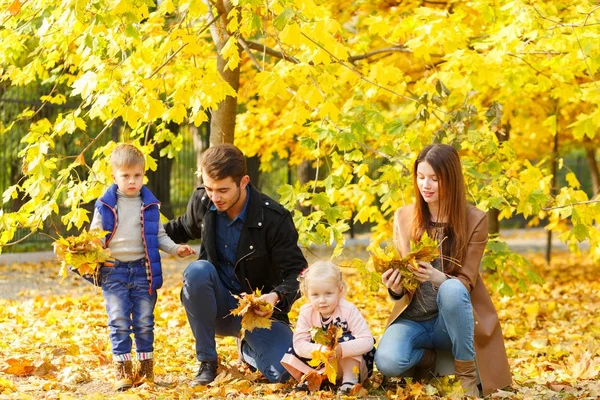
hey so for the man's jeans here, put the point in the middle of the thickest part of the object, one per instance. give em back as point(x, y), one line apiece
point(208, 304)
point(402, 344)
point(130, 308)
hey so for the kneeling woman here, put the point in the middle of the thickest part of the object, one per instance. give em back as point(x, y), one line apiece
point(451, 309)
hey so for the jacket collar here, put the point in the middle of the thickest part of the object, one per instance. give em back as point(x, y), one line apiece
point(254, 209)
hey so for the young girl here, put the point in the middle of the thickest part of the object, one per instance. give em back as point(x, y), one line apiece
point(323, 286)
point(451, 309)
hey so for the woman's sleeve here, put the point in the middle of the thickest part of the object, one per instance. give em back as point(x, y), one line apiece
point(468, 272)
point(302, 339)
point(363, 339)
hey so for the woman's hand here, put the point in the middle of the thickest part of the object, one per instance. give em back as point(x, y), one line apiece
point(392, 280)
point(426, 273)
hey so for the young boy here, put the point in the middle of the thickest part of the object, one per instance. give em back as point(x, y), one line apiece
point(130, 213)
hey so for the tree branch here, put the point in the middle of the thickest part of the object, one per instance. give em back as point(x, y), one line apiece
point(385, 50)
point(528, 63)
point(270, 51)
point(245, 46)
point(212, 21)
point(578, 203)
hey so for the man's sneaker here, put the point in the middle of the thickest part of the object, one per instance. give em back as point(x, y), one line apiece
point(123, 375)
point(206, 374)
point(145, 373)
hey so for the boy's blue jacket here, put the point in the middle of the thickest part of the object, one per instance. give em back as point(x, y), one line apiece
point(150, 216)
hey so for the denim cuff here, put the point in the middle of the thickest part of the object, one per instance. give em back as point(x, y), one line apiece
point(122, 357)
point(145, 356)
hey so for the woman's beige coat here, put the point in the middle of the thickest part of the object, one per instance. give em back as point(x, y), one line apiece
point(492, 361)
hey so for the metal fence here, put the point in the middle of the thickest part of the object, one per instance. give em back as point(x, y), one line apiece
point(13, 101)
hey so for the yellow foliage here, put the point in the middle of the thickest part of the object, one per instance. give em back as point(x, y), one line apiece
point(248, 303)
point(83, 252)
point(427, 249)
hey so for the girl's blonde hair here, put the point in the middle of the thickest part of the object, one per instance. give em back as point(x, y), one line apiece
point(321, 271)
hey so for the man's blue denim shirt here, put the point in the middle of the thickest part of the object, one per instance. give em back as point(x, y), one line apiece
point(227, 239)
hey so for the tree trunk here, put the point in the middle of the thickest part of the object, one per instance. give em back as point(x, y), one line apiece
point(494, 213)
point(553, 183)
point(253, 164)
point(201, 143)
point(306, 173)
point(222, 125)
point(159, 181)
point(590, 155)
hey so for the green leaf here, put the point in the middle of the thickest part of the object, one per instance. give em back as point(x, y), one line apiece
point(442, 90)
point(283, 19)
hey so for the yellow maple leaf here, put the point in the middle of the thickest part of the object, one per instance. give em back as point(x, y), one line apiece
point(427, 249)
point(83, 252)
point(248, 303)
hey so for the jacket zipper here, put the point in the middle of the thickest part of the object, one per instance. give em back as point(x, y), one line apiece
point(149, 264)
point(238, 261)
point(114, 211)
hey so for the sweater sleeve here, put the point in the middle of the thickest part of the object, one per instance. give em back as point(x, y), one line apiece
point(165, 243)
point(302, 338)
point(363, 339)
point(97, 222)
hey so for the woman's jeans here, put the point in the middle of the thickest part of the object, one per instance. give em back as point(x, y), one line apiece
point(208, 305)
point(402, 344)
point(130, 308)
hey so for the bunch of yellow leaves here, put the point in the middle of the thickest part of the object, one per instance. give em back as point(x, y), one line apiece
point(427, 249)
point(248, 303)
point(325, 358)
point(83, 252)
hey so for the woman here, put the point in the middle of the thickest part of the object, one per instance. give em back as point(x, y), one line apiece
point(451, 309)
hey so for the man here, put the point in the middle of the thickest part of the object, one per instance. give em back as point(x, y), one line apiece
point(249, 242)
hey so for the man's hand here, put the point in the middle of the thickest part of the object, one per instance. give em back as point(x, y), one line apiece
point(271, 298)
point(185, 250)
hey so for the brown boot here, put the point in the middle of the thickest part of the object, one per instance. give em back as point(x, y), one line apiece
point(123, 375)
point(466, 372)
point(426, 367)
point(145, 373)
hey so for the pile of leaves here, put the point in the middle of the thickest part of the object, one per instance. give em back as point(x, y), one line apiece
point(248, 303)
point(55, 342)
point(426, 249)
point(83, 252)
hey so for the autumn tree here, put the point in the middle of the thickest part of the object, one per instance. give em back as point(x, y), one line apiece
point(354, 89)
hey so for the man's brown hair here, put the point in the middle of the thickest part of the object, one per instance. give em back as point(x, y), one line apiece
point(222, 161)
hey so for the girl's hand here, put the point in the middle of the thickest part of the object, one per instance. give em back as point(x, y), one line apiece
point(426, 273)
point(337, 354)
point(392, 280)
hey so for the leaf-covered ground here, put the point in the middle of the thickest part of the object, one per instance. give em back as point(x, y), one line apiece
point(54, 340)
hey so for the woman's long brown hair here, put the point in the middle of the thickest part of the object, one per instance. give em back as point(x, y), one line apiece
point(445, 162)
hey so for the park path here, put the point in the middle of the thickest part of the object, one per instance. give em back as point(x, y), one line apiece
point(25, 275)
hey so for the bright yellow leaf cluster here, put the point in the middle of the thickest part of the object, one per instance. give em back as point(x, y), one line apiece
point(427, 249)
point(248, 303)
point(83, 252)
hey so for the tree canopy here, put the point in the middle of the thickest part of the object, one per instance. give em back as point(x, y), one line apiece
point(357, 88)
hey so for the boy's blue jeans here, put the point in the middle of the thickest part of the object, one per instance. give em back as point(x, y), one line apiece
point(130, 308)
point(208, 304)
point(402, 344)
